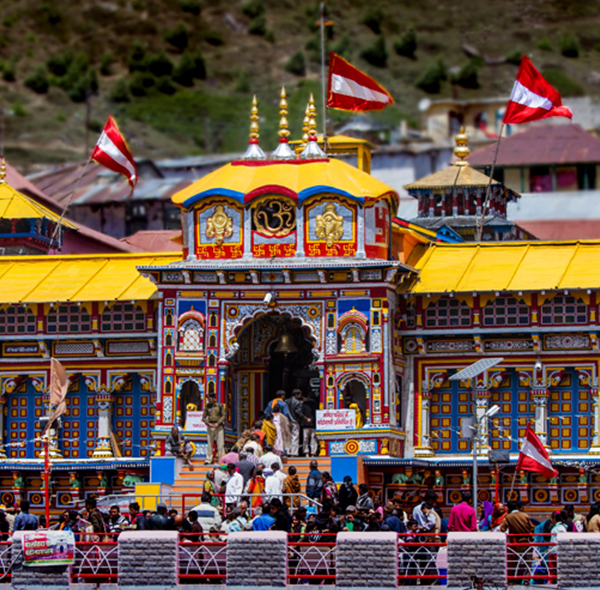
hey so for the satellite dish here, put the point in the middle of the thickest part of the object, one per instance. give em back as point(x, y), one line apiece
point(424, 104)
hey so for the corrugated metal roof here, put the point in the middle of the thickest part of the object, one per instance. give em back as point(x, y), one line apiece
point(99, 277)
point(515, 266)
point(542, 145)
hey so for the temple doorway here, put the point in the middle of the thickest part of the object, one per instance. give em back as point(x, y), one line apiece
point(275, 353)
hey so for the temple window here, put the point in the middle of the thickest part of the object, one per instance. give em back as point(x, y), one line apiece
point(411, 316)
point(447, 313)
point(123, 317)
point(505, 311)
point(68, 318)
point(352, 338)
point(564, 309)
point(191, 336)
point(17, 320)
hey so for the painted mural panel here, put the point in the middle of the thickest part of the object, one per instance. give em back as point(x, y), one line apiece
point(377, 228)
point(219, 231)
point(273, 227)
point(331, 228)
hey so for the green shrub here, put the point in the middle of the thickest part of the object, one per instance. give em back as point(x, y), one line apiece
point(165, 86)
point(50, 13)
point(106, 61)
point(313, 48)
point(83, 86)
point(597, 47)
point(119, 91)
point(376, 53)
point(296, 64)
point(60, 117)
point(3, 42)
point(95, 125)
point(467, 76)
point(214, 38)
point(178, 37)
point(191, 6)
point(242, 84)
point(270, 36)
point(37, 80)
point(136, 60)
point(58, 63)
point(407, 45)
point(569, 46)
point(565, 85)
point(9, 71)
point(432, 77)
point(18, 109)
point(343, 46)
point(544, 45)
point(258, 25)
point(30, 38)
point(373, 17)
point(136, 84)
point(514, 57)
point(160, 65)
point(184, 71)
point(254, 8)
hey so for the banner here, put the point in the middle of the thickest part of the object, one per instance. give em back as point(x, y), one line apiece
point(336, 419)
point(49, 548)
point(194, 422)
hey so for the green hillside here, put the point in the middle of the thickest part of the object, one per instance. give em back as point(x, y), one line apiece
point(179, 74)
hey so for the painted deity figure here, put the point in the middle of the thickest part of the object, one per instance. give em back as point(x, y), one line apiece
point(330, 225)
point(219, 225)
point(439, 479)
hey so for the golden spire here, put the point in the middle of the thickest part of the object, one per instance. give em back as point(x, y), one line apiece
point(2, 171)
point(312, 149)
point(283, 151)
point(254, 118)
point(254, 152)
point(283, 122)
point(461, 150)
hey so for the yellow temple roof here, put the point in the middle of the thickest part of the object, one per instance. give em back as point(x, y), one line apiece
point(459, 176)
point(92, 277)
point(15, 205)
point(298, 179)
point(515, 266)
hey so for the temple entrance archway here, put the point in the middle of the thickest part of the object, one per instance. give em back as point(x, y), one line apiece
point(276, 351)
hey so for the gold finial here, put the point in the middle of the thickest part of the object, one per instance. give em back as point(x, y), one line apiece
point(461, 149)
point(312, 123)
point(2, 171)
point(283, 122)
point(306, 125)
point(254, 118)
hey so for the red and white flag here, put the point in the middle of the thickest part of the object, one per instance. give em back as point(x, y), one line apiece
point(352, 90)
point(534, 457)
point(111, 151)
point(532, 98)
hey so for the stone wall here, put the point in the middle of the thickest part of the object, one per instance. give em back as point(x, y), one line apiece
point(577, 557)
point(477, 554)
point(367, 559)
point(257, 558)
point(148, 558)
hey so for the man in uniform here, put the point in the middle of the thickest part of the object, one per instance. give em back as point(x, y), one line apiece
point(214, 416)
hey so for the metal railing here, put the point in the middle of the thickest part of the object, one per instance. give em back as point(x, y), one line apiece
point(531, 558)
point(96, 558)
point(422, 559)
point(311, 558)
point(202, 558)
point(5, 560)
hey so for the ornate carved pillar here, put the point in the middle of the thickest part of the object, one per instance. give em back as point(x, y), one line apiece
point(424, 446)
point(300, 232)
point(360, 233)
point(104, 401)
point(595, 447)
point(540, 399)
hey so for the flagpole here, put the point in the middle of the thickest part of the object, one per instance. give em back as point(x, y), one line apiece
point(487, 192)
point(47, 476)
point(512, 485)
point(323, 77)
point(66, 208)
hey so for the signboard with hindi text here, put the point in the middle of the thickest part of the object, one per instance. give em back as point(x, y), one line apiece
point(194, 422)
point(48, 548)
point(336, 419)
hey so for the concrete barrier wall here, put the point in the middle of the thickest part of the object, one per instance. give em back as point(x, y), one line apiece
point(577, 560)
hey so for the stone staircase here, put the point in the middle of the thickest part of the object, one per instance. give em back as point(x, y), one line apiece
point(189, 483)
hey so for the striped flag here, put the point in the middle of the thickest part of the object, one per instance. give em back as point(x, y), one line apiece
point(112, 152)
point(534, 457)
point(532, 98)
point(352, 90)
point(59, 384)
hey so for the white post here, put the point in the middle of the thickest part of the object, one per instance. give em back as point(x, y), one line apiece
point(103, 448)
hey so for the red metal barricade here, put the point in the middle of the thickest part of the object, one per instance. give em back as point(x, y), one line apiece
point(96, 558)
point(531, 558)
point(202, 558)
point(421, 556)
point(311, 560)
